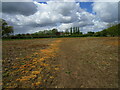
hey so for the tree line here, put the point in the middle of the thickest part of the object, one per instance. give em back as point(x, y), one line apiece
point(7, 32)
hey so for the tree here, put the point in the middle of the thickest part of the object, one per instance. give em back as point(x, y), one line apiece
point(6, 29)
point(111, 31)
point(71, 31)
point(90, 33)
point(97, 34)
point(54, 31)
point(104, 33)
point(74, 30)
point(78, 30)
point(66, 31)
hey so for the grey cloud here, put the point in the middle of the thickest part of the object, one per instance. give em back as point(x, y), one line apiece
point(41, 25)
point(86, 24)
point(24, 8)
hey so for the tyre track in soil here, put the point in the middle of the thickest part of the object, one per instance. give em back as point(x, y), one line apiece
point(88, 63)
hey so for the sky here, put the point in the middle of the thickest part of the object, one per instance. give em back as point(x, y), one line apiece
point(30, 16)
point(87, 6)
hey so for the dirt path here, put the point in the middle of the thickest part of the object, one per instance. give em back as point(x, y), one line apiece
point(88, 63)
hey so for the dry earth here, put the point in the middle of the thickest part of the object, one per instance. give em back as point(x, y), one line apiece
point(90, 62)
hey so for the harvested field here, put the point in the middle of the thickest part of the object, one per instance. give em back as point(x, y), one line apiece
point(90, 62)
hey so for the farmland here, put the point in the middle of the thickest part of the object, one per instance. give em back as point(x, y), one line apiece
point(86, 62)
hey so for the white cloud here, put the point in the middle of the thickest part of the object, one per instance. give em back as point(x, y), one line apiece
point(49, 13)
point(106, 11)
point(62, 15)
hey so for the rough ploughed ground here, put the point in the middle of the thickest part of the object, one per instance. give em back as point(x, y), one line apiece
point(88, 62)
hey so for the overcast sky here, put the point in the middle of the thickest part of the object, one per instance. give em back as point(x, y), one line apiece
point(31, 16)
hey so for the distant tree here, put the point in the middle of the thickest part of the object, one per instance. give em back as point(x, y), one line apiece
point(97, 34)
point(90, 33)
point(66, 31)
point(74, 30)
point(78, 30)
point(104, 33)
point(71, 31)
point(6, 29)
point(111, 31)
point(54, 31)
point(80, 33)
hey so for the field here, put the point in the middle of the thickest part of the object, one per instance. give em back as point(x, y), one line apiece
point(90, 62)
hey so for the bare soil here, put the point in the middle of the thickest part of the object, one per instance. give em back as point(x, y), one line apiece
point(88, 62)
point(19, 62)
